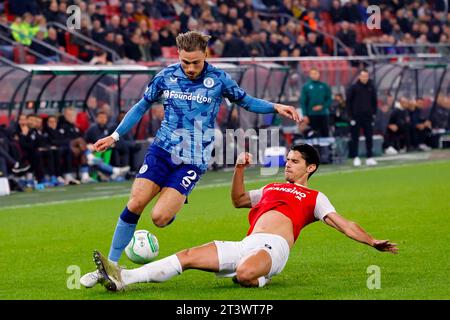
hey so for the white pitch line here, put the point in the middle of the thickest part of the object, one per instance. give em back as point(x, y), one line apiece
point(221, 184)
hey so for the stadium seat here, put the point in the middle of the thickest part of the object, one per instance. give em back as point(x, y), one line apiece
point(71, 48)
point(169, 52)
point(5, 120)
point(157, 24)
point(331, 72)
point(82, 121)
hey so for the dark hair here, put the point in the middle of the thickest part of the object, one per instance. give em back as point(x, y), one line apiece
point(309, 153)
point(192, 41)
point(364, 70)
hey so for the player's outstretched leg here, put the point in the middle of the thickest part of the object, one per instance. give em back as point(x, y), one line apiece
point(110, 273)
point(142, 192)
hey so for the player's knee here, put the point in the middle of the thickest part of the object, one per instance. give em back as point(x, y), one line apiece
point(160, 218)
point(247, 277)
point(186, 258)
point(136, 205)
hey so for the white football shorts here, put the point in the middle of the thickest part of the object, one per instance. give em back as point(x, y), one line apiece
point(231, 253)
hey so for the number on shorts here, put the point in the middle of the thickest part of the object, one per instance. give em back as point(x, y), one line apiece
point(187, 180)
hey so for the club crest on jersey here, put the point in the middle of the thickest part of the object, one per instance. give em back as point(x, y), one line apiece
point(208, 82)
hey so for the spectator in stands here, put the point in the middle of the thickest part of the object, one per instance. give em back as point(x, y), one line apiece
point(126, 27)
point(398, 134)
point(109, 42)
point(348, 37)
point(62, 17)
point(420, 125)
point(306, 49)
point(222, 14)
point(336, 12)
point(99, 129)
point(73, 139)
point(114, 25)
point(97, 32)
point(362, 107)
point(315, 102)
point(10, 155)
point(166, 38)
point(125, 150)
point(6, 48)
point(155, 46)
point(274, 46)
point(340, 121)
point(128, 11)
point(286, 44)
point(146, 35)
point(18, 8)
point(350, 12)
point(383, 115)
point(20, 134)
point(132, 48)
point(234, 46)
point(43, 162)
point(44, 46)
point(61, 151)
point(434, 35)
point(52, 13)
point(96, 13)
point(22, 29)
point(165, 9)
point(100, 57)
point(255, 47)
point(119, 42)
point(440, 114)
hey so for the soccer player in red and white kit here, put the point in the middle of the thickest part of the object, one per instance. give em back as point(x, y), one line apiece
point(279, 211)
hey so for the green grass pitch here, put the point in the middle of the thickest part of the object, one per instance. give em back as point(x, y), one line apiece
point(43, 246)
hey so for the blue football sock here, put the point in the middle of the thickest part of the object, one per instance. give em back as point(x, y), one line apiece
point(123, 234)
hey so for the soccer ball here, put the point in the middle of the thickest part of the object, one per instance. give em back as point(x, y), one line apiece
point(143, 247)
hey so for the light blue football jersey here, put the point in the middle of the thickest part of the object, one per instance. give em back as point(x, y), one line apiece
point(191, 108)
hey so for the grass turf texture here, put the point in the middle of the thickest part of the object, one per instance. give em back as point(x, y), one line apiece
point(407, 204)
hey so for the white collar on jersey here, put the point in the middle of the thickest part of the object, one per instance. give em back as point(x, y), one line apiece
point(300, 185)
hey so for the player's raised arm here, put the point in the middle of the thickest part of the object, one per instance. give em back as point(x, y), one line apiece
point(239, 197)
point(133, 115)
point(354, 231)
point(237, 95)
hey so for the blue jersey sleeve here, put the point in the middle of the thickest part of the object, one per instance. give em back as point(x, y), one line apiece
point(236, 94)
point(138, 110)
point(153, 89)
point(133, 116)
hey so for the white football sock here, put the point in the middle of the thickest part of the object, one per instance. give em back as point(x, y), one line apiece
point(158, 271)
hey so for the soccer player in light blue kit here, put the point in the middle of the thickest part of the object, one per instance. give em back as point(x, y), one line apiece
point(192, 92)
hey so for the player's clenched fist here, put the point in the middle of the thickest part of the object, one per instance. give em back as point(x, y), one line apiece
point(104, 143)
point(244, 160)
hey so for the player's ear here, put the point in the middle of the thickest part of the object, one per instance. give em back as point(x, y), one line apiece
point(311, 168)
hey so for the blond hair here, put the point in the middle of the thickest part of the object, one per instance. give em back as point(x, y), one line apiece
point(192, 41)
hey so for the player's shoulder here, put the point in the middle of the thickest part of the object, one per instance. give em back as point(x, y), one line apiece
point(169, 70)
point(215, 72)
